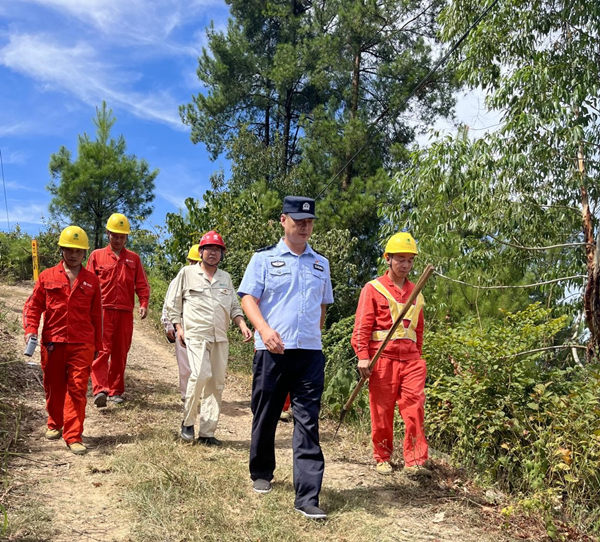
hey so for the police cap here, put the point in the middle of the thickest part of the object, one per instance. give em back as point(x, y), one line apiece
point(299, 207)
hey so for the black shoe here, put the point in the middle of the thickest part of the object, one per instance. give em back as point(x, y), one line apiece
point(312, 512)
point(209, 441)
point(262, 486)
point(187, 433)
point(100, 399)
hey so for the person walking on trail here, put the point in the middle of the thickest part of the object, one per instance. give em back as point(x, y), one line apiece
point(200, 305)
point(121, 274)
point(69, 297)
point(183, 364)
point(398, 377)
point(285, 291)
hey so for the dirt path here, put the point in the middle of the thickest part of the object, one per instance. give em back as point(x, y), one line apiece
point(81, 497)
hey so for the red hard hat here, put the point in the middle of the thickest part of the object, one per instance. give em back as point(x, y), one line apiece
point(212, 238)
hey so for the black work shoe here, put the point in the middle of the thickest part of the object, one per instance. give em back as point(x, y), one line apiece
point(187, 433)
point(312, 512)
point(100, 399)
point(209, 441)
point(261, 486)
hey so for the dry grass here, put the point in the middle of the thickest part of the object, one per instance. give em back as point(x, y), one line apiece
point(32, 521)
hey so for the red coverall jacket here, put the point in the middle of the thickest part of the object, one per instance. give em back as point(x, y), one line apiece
point(373, 313)
point(70, 315)
point(119, 278)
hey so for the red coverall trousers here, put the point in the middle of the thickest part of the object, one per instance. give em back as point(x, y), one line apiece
point(109, 376)
point(66, 369)
point(402, 383)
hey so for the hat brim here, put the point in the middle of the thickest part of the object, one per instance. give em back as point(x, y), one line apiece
point(301, 216)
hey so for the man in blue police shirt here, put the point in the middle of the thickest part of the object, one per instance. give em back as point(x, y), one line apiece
point(285, 291)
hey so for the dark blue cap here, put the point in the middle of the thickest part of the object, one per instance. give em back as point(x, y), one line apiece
point(299, 207)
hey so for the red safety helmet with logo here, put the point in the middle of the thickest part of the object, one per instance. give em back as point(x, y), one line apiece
point(212, 238)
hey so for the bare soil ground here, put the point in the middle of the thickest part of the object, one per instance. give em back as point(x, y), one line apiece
point(81, 498)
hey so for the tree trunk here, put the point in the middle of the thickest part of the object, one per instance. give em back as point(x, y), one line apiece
point(287, 122)
point(591, 297)
point(353, 112)
point(267, 136)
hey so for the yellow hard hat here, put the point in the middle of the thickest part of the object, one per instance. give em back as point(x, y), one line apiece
point(73, 237)
point(194, 253)
point(401, 243)
point(118, 223)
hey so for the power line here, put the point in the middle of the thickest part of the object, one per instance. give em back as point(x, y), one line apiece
point(414, 91)
point(4, 186)
point(501, 287)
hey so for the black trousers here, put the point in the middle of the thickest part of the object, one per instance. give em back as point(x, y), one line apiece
point(301, 374)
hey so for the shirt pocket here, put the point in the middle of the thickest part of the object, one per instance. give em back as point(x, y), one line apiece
point(196, 293)
point(56, 295)
point(278, 278)
point(223, 297)
point(316, 284)
point(104, 272)
point(82, 297)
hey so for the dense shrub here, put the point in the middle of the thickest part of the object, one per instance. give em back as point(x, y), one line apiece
point(158, 290)
point(15, 253)
point(528, 422)
point(341, 374)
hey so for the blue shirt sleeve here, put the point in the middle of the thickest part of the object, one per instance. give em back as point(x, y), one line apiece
point(328, 292)
point(253, 282)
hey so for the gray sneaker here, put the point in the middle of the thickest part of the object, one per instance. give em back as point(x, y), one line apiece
point(187, 433)
point(117, 399)
point(262, 486)
point(311, 511)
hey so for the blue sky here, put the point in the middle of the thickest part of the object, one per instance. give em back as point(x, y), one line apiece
point(60, 58)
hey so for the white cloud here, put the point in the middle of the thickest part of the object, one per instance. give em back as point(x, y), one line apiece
point(77, 69)
point(142, 21)
point(176, 200)
point(16, 128)
point(25, 214)
point(30, 186)
point(13, 157)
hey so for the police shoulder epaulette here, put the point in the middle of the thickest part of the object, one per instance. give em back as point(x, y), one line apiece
point(266, 248)
point(319, 253)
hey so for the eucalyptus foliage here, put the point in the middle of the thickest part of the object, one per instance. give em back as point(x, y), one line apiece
point(483, 208)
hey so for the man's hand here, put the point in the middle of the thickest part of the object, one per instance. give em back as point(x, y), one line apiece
point(180, 335)
point(28, 335)
point(246, 333)
point(143, 312)
point(171, 335)
point(363, 368)
point(272, 340)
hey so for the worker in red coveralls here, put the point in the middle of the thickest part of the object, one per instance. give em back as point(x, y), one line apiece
point(121, 274)
point(68, 296)
point(398, 377)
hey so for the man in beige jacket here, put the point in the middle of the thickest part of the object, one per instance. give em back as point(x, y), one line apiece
point(201, 305)
point(183, 364)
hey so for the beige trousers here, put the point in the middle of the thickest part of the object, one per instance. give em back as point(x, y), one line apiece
point(183, 366)
point(208, 364)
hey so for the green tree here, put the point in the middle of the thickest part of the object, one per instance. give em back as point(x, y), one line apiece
point(258, 77)
point(313, 98)
point(103, 179)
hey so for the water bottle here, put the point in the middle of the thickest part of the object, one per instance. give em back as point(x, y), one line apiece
point(31, 345)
